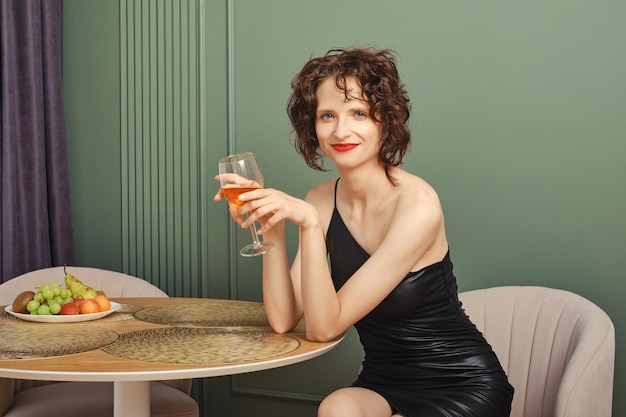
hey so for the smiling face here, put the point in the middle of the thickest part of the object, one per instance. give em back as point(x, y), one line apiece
point(346, 130)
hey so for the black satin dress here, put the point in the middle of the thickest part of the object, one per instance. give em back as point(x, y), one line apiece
point(422, 353)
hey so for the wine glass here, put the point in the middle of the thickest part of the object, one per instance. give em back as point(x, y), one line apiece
point(240, 173)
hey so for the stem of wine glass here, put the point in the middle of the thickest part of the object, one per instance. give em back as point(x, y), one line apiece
point(255, 237)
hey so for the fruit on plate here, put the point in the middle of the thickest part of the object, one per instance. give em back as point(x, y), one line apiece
point(52, 299)
point(22, 300)
point(89, 306)
point(103, 302)
point(48, 299)
point(78, 288)
point(70, 308)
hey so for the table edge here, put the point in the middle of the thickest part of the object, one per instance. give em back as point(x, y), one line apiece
point(200, 372)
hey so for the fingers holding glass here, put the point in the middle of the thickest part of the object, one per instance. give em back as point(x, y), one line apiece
point(238, 174)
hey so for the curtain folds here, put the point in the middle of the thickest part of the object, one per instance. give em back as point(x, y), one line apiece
point(35, 210)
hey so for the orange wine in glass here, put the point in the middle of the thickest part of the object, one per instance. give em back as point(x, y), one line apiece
point(240, 173)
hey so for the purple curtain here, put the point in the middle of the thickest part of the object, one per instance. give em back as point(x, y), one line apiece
point(35, 211)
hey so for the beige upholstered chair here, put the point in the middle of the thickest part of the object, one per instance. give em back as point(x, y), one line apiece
point(25, 398)
point(557, 348)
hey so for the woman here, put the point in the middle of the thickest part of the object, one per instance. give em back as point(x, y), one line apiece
point(390, 273)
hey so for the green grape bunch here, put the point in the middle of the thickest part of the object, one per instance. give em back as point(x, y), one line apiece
point(48, 299)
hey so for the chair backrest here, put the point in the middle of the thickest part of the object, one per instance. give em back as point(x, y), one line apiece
point(114, 284)
point(557, 348)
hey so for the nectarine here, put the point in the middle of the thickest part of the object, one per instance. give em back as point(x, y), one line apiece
point(69, 309)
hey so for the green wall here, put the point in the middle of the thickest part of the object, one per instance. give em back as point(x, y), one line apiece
point(519, 113)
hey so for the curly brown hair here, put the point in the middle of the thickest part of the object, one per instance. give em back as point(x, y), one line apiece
point(377, 74)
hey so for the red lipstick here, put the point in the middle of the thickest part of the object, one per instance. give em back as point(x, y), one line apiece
point(344, 147)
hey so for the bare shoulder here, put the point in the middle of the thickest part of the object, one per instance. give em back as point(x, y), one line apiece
point(415, 192)
point(419, 214)
point(321, 192)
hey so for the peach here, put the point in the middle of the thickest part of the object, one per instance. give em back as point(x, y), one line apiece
point(103, 301)
point(89, 306)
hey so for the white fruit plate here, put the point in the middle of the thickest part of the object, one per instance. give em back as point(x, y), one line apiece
point(58, 318)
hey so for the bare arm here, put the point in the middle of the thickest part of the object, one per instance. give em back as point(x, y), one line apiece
point(281, 285)
point(281, 289)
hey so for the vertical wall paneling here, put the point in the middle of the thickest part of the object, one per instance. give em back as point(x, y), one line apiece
point(161, 149)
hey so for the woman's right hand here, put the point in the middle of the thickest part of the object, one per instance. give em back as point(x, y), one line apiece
point(270, 207)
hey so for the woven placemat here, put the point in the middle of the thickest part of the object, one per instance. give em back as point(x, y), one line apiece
point(126, 312)
point(6, 317)
point(225, 314)
point(41, 340)
point(196, 345)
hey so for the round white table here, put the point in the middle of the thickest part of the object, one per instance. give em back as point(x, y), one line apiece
point(151, 339)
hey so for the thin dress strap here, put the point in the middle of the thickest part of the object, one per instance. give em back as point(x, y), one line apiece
point(336, 182)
